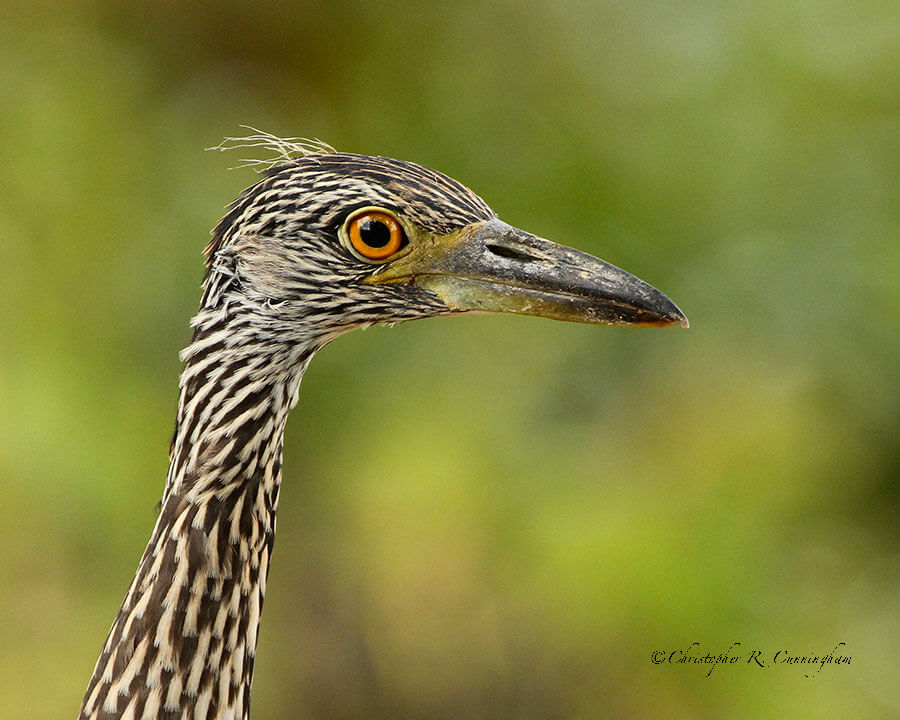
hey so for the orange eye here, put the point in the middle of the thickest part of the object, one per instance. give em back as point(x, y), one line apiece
point(375, 234)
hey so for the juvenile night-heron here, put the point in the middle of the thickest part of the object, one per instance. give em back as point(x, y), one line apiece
point(324, 243)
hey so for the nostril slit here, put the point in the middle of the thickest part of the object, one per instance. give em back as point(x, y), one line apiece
point(511, 253)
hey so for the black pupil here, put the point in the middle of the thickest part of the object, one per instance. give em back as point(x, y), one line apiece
point(374, 233)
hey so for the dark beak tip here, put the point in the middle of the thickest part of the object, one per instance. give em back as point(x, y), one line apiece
point(665, 312)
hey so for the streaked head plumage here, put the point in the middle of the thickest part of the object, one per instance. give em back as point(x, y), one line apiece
point(307, 184)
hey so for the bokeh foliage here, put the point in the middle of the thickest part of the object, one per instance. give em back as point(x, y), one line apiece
point(494, 516)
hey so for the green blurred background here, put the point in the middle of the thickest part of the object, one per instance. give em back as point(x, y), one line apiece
point(492, 516)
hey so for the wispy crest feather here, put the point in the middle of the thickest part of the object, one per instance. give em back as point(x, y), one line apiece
point(284, 149)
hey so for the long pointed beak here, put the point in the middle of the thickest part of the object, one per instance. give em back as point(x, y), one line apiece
point(493, 267)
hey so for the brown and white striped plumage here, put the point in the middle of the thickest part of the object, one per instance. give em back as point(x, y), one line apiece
point(279, 287)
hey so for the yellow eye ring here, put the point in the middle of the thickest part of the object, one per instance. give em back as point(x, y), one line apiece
point(374, 234)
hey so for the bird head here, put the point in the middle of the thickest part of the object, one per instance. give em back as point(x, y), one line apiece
point(329, 241)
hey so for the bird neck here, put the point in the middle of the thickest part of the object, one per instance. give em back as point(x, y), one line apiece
point(184, 640)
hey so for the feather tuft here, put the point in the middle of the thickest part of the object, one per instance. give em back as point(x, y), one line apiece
point(285, 149)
